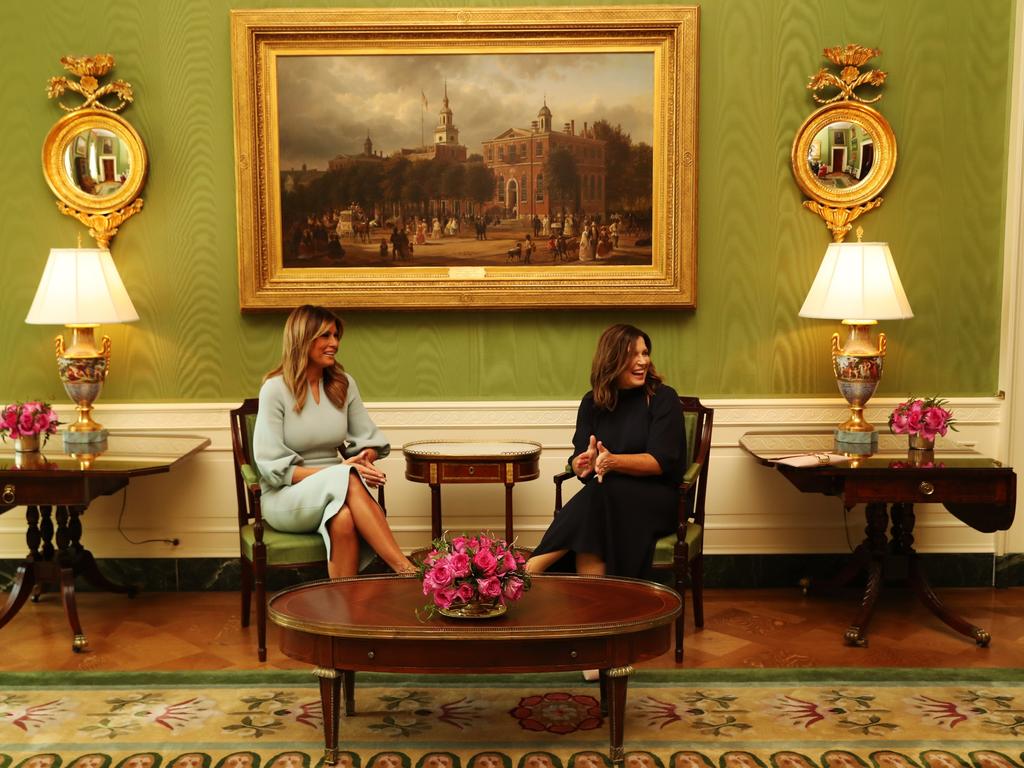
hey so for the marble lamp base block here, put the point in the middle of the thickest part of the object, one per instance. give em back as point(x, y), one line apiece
point(860, 439)
point(86, 438)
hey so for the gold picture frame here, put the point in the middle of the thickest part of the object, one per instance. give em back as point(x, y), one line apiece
point(640, 252)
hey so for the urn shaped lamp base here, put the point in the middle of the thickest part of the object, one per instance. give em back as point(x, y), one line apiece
point(83, 371)
point(858, 369)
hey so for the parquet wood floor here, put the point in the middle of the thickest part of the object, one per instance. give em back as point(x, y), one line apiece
point(743, 628)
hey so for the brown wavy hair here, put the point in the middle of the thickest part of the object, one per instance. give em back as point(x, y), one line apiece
point(613, 356)
point(304, 326)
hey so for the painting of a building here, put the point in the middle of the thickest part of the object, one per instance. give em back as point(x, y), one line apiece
point(522, 159)
point(446, 139)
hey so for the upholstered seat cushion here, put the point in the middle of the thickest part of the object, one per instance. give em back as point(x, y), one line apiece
point(285, 548)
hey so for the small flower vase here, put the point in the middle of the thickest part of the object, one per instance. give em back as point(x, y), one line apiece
point(918, 443)
point(475, 610)
point(26, 444)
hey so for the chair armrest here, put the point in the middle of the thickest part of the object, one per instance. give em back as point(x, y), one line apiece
point(560, 478)
point(255, 492)
point(250, 474)
point(690, 476)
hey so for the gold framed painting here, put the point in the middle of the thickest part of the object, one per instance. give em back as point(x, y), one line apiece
point(501, 158)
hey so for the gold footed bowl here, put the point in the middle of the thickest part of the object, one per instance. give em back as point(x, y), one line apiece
point(474, 611)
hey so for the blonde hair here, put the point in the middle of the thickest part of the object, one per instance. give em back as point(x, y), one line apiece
point(304, 326)
point(613, 356)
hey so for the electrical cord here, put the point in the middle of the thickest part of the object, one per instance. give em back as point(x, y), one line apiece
point(124, 503)
point(846, 526)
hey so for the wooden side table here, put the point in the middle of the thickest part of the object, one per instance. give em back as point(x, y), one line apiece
point(977, 490)
point(438, 462)
point(56, 487)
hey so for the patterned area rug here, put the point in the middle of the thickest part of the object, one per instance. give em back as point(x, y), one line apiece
point(676, 719)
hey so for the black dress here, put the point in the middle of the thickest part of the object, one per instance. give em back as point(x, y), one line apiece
point(621, 518)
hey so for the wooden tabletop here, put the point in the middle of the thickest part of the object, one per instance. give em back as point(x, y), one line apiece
point(556, 607)
point(122, 453)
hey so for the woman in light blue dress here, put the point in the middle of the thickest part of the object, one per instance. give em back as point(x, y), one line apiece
point(315, 447)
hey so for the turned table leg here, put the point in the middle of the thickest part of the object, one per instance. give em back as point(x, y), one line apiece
point(615, 682)
point(878, 518)
point(330, 695)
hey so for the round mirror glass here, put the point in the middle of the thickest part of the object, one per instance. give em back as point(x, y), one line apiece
point(97, 162)
point(841, 155)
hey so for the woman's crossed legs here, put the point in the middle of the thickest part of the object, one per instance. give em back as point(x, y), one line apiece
point(361, 515)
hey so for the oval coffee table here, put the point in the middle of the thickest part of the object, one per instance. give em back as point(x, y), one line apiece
point(563, 623)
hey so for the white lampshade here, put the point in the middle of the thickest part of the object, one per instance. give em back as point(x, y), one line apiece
point(857, 281)
point(80, 286)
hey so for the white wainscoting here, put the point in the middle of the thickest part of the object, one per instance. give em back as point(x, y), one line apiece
point(751, 509)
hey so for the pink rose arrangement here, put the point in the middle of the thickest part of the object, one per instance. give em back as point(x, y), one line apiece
point(27, 419)
point(472, 569)
point(926, 417)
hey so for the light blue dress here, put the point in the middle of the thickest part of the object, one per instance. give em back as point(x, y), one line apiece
point(284, 439)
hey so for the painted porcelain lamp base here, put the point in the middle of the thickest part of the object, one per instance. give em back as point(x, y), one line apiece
point(858, 369)
point(83, 369)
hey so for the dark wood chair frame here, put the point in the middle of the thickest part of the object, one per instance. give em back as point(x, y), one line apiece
point(686, 570)
point(254, 572)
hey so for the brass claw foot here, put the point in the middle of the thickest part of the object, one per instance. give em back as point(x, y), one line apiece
point(79, 644)
point(981, 637)
point(853, 636)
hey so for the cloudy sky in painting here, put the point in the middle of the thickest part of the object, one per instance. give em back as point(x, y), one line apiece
point(328, 104)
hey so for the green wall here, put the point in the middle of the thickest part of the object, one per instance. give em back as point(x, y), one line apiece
point(947, 100)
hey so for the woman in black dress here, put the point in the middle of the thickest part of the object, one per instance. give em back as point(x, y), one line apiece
point(629, 453)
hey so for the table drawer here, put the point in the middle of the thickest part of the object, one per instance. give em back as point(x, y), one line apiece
point(490, 473)
point(993, 488)
point(472, 656)
point(19, 491)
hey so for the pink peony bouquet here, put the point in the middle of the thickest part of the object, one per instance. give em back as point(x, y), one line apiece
point(27, 419)
point(926, 417)
point(472, 570)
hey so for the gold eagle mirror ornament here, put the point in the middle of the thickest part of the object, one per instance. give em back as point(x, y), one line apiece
point(93, 159)
point(845, 153)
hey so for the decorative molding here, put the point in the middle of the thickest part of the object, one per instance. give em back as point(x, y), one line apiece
point(750, 510)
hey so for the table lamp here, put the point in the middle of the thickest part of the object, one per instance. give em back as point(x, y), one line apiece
point(858, 284)
point(80, 288)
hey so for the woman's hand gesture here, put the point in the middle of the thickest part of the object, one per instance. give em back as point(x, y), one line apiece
point(583, 464)
point(362, 462)
point(604, 461)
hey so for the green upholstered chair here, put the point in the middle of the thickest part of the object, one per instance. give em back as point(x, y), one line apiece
point(261, 545)
point(682, 552)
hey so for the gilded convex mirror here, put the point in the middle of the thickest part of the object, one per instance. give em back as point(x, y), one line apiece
point(845, 153)
point(93, 159)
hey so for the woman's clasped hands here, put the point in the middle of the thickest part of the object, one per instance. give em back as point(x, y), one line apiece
point(596, 459)
point(362, 462)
